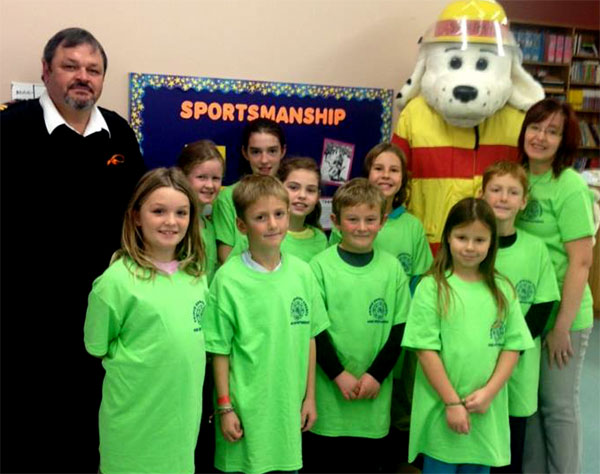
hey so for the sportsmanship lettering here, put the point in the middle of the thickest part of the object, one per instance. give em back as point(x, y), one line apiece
point(229, 112)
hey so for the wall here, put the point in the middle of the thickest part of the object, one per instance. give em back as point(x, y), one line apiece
point(368, 43)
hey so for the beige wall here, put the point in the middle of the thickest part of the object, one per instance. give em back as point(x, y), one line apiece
point(370, 43)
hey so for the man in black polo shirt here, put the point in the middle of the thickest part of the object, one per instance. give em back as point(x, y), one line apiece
point(68, 169)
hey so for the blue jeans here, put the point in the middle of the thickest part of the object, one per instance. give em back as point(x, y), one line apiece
point(433, 466)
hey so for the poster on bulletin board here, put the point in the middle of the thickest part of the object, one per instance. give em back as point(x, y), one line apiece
point(336, 126)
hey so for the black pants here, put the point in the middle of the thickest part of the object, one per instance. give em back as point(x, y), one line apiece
point(517, 443)
point(204, 456)
point(343, 454)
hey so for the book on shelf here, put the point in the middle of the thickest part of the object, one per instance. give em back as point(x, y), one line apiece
point(595, 129)
point(587, 137)
point(560, 44)
point(544, 46)
point(531, 43)
point(585, 45)
point(550, 48)
point(551, 80)
point(587, 71)
point(575, 98)
point(579, 163)
point(584, 99)
point(568, 51)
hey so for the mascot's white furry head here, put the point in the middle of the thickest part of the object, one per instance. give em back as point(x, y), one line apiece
point(469, 66)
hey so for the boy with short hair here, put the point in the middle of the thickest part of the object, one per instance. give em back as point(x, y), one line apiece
point(367, 297)
point(524, 259)
point(262, 315)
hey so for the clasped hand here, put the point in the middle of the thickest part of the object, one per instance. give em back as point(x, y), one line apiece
point(458, 416)
point(367, 387)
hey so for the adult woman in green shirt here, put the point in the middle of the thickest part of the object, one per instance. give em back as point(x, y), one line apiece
point(560, 213)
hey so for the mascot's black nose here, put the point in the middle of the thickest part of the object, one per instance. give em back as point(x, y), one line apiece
point(464, 93)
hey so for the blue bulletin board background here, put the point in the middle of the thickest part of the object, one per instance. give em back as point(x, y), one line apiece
point(162, 111)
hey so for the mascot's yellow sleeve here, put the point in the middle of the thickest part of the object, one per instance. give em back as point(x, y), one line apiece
point(447, 162)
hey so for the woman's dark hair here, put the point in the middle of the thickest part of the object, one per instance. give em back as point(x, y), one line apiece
point(540, 111)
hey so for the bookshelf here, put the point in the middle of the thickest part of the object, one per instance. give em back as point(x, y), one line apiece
point(565, 60)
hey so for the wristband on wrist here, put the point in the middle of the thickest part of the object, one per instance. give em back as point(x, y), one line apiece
point(224, 400)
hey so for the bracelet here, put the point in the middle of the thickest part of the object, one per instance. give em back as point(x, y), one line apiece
point(455, 404)
point(221, 411)
point(224, 400)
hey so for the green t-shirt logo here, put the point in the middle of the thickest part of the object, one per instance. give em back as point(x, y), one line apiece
point(525, 291)
point(406, 261)
point(198, 313)
point(299, 310)
point(497, 333)
point(378, 309)
point(533, 211)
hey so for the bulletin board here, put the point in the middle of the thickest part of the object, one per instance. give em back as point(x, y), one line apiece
point(334, 125)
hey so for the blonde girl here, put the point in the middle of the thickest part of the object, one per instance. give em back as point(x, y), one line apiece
point(143, 320)
point(302, 178)
point(467, 328)
point(204, 166)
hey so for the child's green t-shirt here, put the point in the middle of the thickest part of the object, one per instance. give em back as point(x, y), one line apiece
point(527, 265)
point(223, 217)
point(264, 323)
point(363, 303)
point(469, 339)
point(560, 210)
point(305, 245)
point(403, 236)
point(210, 247)
point(150, 338)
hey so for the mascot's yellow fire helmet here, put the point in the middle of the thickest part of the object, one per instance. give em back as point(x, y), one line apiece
point(472, 21)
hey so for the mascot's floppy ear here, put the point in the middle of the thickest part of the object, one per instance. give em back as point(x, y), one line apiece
point(526, 90)
point(412, 87)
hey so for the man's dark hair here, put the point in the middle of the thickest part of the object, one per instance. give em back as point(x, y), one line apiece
point(69, 38)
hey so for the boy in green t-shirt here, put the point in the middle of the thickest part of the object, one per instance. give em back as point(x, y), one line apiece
point(262, 315)
point(526, 262)
point(367, 297)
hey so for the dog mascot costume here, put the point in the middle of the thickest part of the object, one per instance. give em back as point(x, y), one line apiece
point(462, 108)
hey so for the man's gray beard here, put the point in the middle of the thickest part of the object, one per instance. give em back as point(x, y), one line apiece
point(79, 104)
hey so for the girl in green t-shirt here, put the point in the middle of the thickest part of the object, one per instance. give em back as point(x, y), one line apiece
point(143, 321)
point(467, 328)
point(263, 147)
point(203, 165)
point(302, 178)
